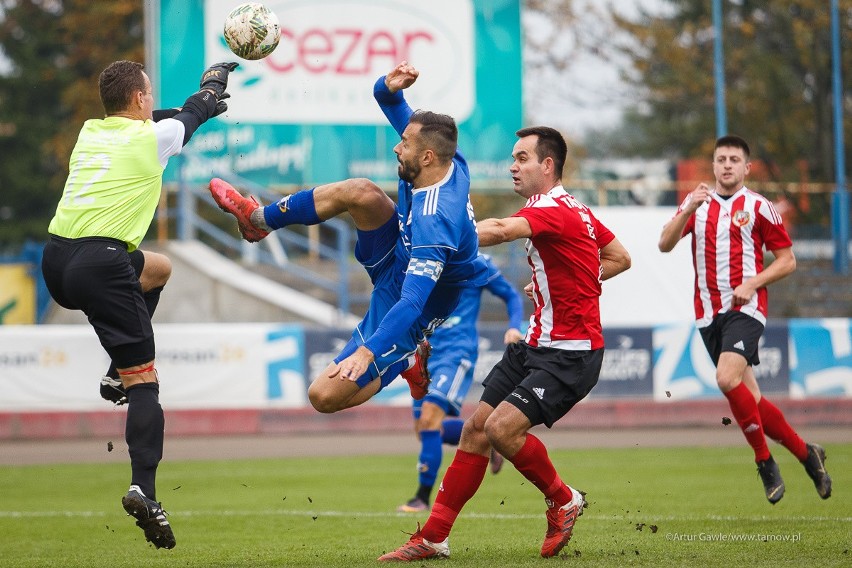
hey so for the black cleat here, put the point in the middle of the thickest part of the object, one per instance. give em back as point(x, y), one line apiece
point(771, 477)
point(150, 517)
point(815, 466)
point(113, 390)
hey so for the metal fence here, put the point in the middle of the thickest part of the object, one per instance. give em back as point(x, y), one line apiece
point(188, 212)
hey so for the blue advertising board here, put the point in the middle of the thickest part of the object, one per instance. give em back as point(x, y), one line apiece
point(821, 357)
point(798, 358)
point(627, 369)
point(683, 369)
point(285, 379)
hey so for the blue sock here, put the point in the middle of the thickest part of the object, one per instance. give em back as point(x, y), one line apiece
point(416, 409)
point(452, 428)
point(295, 209)
point(393, 372)
point(430, 456)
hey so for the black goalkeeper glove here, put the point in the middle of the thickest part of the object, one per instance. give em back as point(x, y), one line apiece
point(215, 78)
point(221, 105)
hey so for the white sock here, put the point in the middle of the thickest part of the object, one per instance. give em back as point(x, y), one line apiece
point(259, 220)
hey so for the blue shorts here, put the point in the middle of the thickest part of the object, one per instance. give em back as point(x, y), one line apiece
point(376, 250)
point(452, 374)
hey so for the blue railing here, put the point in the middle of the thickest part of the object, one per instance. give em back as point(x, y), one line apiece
point(279, 247)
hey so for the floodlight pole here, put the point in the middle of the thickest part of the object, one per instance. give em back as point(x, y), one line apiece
point(151, 12)
point(840, 199)
point(719, 71)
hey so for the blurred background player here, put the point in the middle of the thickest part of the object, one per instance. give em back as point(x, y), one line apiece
point(455, 349)
point(92, 261)
point(420, 253)
point(730, 226)
point(541, 378)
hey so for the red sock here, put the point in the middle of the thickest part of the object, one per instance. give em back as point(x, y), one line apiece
point(534, 464)
point(744, 408)
point(460, 483)
point(777, 428)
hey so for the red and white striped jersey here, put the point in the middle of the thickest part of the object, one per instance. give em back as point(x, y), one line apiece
point(728, 239)
point(564, 255)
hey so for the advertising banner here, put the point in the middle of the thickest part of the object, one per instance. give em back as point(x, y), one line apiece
point(331, 49)
point(17, 294)
point(821, 357)
point(773, 373)
point(200, 366)
point(684, 370)
point(626, 369)
point(305, 114)
point(212, 366)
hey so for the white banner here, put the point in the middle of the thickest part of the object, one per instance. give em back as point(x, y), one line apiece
point(331, 52)
point(52, 368)
point(261, 365)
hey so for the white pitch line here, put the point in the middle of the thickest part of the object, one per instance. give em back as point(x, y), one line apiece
point(485, 516)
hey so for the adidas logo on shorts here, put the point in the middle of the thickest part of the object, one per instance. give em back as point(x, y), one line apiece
point(539, 392)
point(739, 345)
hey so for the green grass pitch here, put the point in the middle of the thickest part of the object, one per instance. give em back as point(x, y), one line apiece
point(649, 507)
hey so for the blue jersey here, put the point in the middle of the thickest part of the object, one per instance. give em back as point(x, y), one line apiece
point(455, 343)
point(437, 223)
point(458, 332)
point(438, 241)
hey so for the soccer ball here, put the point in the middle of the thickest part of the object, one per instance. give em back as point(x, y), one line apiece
point(252, 31)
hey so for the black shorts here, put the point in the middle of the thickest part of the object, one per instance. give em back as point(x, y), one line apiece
point(98, 276)
point(733, 332)
point(544, 383)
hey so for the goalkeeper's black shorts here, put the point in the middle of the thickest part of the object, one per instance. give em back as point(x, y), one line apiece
point(98, 276)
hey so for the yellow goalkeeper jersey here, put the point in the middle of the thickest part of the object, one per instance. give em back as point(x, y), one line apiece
point(114, 180)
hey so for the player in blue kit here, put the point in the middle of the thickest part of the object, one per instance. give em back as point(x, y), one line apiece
point(455, 349)
point(420, 253)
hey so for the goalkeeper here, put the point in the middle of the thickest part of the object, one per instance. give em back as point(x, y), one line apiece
point(92, 261)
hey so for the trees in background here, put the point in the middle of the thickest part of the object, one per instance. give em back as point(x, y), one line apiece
point(777, 67)
point(777, 74)
point(52, 54)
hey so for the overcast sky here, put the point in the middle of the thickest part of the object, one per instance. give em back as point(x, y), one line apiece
point(589, 94)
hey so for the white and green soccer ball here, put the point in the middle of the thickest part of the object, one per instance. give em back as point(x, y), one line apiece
point(252, 31)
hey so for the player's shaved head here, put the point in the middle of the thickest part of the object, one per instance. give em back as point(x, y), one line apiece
point(438, 132)
point(117, 84)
